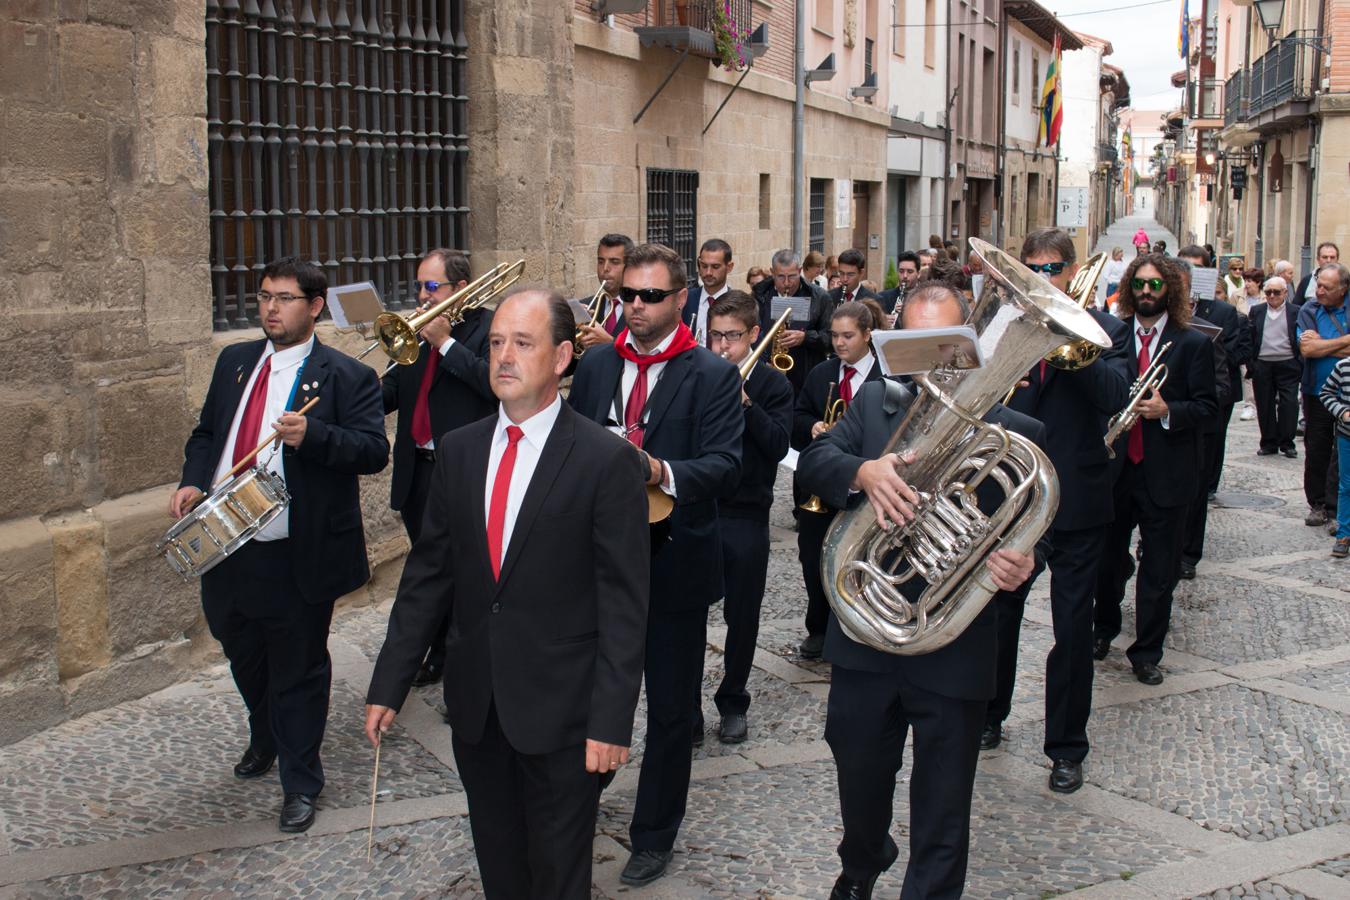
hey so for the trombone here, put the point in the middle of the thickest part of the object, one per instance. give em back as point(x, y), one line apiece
point(594, 309)
point(834, 411)
point(397, 336)
point(1154, 377)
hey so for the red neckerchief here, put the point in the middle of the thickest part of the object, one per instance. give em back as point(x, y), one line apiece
point(683, 340)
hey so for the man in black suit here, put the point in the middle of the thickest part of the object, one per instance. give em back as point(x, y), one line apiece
point(714, 266)
point(807, 340)
point(444, 388)
point(1163, 462)
point(270, 603)
point(852, 273)
point(876, 697)
point(743, 519)
point(535, 549)
point(1074, 406)
point(609, 256)
point(1327, 253)
point(680, 404)
point(1276, 366)
point(907, 268)
point(834, 380)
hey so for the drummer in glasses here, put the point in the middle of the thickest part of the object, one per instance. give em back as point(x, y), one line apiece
point(270, 602)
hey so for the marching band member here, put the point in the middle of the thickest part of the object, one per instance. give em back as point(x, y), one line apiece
point(850, 335)
point(444, 388)
point(1163, 462)
point(609, 256)
point(1074, 407)
point(714, 267)
point(876, 697)
point(743, 519)
point(535, 549)
point(680, 405)
point(271, 601)
point(807, 339)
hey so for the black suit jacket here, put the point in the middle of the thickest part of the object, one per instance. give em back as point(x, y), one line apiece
point(768, 426)
point(1074, 407)
point(837, 295)
point(556, 643)
point(1172, 455)
point(810, 406)
point(1236, 341)
point(694, 424)
point(460, 394)
point(1298, 295)
point(689, 315)
point(888, 297)
point(816, 346)
point(344, 438)
point(1256, 328)
point(965, 668)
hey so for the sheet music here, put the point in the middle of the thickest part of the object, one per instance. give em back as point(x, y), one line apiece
point(800, 306)
point(1203, 282)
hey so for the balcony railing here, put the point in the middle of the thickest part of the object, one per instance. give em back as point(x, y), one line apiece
point(1206, 99)
point(1235, 106)
point(696, 13)
point(1106, 153)
point(1280, 75)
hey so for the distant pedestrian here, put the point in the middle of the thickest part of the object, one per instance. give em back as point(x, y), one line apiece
point(1335, 397)
point(1115, 267)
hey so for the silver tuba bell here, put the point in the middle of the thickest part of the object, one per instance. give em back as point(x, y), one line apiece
point(1019, 317)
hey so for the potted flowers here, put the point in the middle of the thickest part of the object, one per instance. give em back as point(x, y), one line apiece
point(728, 37)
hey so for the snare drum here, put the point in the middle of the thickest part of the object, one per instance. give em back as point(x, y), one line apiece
point(224, 521)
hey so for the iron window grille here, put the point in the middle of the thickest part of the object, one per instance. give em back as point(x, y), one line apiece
point(816, 228)
point(672, 213)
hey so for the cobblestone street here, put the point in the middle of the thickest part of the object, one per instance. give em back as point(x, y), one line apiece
point(1231, 779)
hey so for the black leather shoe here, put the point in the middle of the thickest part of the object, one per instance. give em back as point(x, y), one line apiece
point(1101, 648)
point(1290, 452)
point(1188, 571)
point(644, 867)
point(297, 813)
point(734, 729)
point(812, 646)
point(253, 764)
point(991, 737)
point(846, 888)
point(430, 673)
point(1148, 673)
point(1066, 776)
point(1267, 451)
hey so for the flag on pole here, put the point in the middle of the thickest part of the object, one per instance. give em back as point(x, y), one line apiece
point(1184, 37)
point(1052, 111)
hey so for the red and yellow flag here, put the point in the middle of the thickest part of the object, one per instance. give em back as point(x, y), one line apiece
point(1052, 107)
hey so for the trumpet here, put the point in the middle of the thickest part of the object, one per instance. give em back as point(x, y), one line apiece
point(397, 336)
point(1153, 378)
point(834, 411)
point(748, 365)
point(594, 309)
point(781, 359)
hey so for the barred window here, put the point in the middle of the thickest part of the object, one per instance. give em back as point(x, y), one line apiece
point(672, 213)
point(816, 223)
point(336, 132)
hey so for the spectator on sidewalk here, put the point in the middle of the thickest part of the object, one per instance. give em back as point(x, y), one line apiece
point(1335, 396)
point(1323, 337)
point(1327, 253)
point(1275, 366)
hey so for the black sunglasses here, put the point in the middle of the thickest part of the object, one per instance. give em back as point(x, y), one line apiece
point(646, 295)
point(1154, 284)
point(1051, 268)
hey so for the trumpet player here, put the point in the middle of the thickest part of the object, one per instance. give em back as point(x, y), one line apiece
point(876, 698)
point(1074, 406)
point(445, 388)
point(1163, 462)
point(743, 519)
point(714, 266)
point(818, 405)
point(609, 263)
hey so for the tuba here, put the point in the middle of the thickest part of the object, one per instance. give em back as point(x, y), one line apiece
point(1020, 317)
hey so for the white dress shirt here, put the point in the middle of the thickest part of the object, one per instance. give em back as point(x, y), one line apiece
point(861, 369)
point(630, 374)
point(528, 451)
point(1153, 347)
point(280, 381)
point(701, 317)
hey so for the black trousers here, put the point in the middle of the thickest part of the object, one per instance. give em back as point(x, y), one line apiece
point(673, 671)
point(413, 511)
point(811, 528)
point(532, 816)
point(1220, 443)
point(745, 565)
point(1275, 387)
point(1320, 464)
point(277, 645)
point(1073, 568)
point(1197, 513)
point(1160, 532)
point(868, 719)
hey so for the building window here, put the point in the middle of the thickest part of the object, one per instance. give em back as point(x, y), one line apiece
point(898, 27)
point(1017, 73)
point(816, 231)
point(824, 15)
point(672, 212)
point(1035, 81)
point(868, 48)
point(339, 141)
point(765, 210)
point(930, 33)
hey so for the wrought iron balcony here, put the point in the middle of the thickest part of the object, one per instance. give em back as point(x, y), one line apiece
point(1205, 99)
point(1107, 153)
point(691, 25)
point(1235, 99)
point(1281, 75)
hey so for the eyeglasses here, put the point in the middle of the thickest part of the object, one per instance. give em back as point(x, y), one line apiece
point(728, 336)
point(1154, 284)
point(1274, 293)
point(646, 295)
point(266, 297)
point(430, 287)
point(1050, 268)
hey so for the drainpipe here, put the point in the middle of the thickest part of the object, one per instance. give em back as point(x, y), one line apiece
point(1260, 159)
point(1001, 200)
point(1306, 252)
point(947, 140)
point(799, 132)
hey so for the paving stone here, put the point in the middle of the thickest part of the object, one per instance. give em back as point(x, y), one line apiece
point(1260, 890)
point(1338, 867)
point(1323, 678)
point(1324, 571)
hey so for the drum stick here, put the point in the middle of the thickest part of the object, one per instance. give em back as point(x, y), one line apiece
point(374, 783)
point(260, 448)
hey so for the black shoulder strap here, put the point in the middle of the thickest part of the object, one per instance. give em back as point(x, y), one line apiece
point(894, 395)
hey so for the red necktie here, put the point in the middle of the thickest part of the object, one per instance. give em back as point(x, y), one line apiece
point(249, 426)
point(421, 418)
point(846, 385)
point(848, 297)
point(1135, 450)
point(501, 487)
point(637, 402)
point(612, 320)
